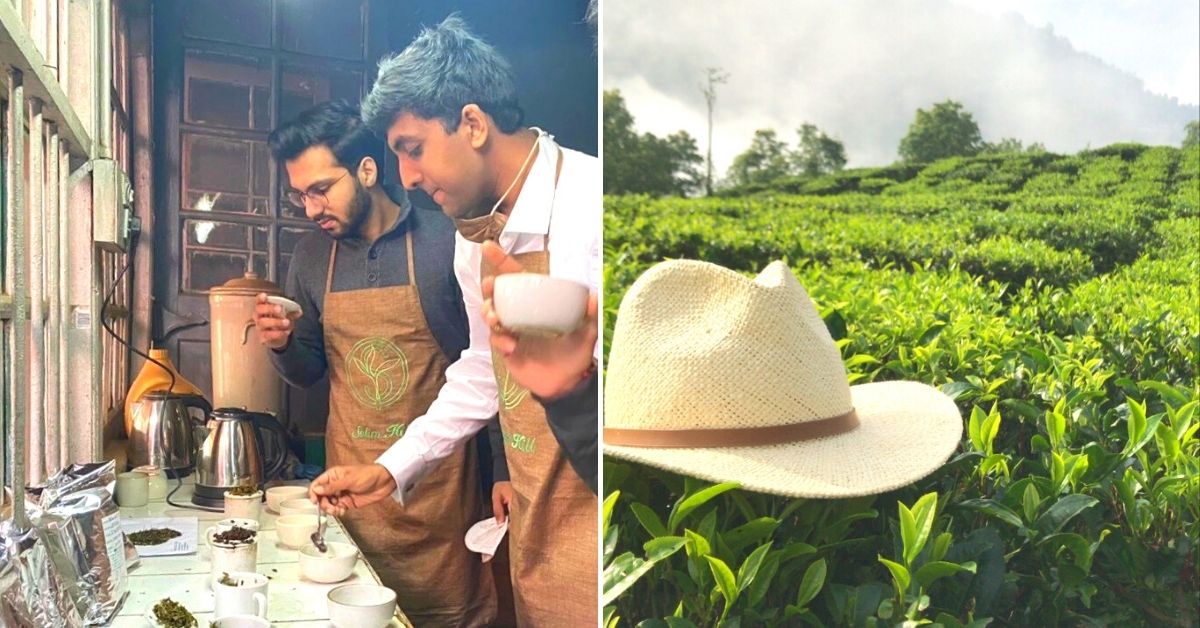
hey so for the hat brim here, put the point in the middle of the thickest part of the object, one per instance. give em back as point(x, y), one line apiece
point(906, 431)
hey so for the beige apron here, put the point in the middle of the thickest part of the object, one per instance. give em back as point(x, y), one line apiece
point(385, 369)
point(552, 528)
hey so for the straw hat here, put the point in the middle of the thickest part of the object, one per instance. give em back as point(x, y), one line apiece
point(723, 378)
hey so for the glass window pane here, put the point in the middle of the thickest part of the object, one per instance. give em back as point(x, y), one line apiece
point(227, 90)
point(236, 21)
point(305, 87)
point(328, 28)
point(217, 174)
point(204, 269)
point(224, 235)
point(288, 238)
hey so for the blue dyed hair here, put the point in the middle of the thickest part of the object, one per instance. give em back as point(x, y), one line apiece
point(444, 69)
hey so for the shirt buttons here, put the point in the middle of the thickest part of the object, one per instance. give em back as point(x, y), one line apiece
point(373, 253)
point(372, 277)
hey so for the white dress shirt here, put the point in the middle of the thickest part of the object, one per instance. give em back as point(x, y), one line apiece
point(571, 214)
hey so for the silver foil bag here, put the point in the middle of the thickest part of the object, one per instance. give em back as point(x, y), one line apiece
point(78, 477)
point(33, 599)
point(82, 534)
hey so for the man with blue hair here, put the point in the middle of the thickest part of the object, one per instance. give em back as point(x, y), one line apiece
point(448, 108)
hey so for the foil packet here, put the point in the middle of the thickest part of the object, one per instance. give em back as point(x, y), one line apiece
point(78, 477)
point(29, 596)
point(81, 531)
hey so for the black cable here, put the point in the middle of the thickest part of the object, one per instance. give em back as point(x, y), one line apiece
point(135, 232)
point(179, 485)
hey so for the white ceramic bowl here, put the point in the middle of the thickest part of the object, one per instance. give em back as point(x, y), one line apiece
point(276, 495)
point(297, 507)
point(289, 306)
point(295, 531)
point(361, 606)
point(334, 565)
point(533, 303)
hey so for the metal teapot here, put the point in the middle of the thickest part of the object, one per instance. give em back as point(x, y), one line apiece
point(239, 448)
point(162, 433)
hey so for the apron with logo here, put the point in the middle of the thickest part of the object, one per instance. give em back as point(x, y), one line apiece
point(552, 520)
point(385, 369)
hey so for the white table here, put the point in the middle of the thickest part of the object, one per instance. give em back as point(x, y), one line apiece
point(291, 600)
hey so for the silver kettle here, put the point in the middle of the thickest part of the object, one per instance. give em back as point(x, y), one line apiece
point(240, 448)
point(163, 433)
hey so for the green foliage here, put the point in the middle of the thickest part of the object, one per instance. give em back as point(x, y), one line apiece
point(765, 160)
point(1055, 299)
point(644, 163)
point(1191, 136)
point(769, 159)
point(946, 130)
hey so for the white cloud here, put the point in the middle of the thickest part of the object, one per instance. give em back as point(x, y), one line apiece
point(860, 69)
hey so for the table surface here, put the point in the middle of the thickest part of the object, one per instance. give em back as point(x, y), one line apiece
point(291, 600)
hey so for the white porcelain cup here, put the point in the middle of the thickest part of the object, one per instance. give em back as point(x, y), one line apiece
point(156, 480)
point(248, 596)
point(539, 304)
point(133, 489)
point(241, 621)
point(230, 558)
point(361, 606)
point(246, 507)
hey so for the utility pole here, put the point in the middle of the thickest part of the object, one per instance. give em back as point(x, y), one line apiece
point(715, 77)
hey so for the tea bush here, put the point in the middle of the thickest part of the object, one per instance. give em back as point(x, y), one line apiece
point(1062, 315)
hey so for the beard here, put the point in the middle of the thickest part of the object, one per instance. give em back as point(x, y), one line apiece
point(356, 213)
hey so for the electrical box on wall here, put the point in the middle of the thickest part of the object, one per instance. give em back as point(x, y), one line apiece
point(112, 205)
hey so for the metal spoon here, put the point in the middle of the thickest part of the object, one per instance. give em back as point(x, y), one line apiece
point(318, 537)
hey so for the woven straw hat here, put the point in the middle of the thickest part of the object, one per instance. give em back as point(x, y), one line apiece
point(723, 378)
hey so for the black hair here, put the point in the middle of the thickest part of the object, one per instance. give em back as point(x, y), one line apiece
point(336, 125)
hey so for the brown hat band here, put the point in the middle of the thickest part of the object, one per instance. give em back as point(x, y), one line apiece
point(733, 437)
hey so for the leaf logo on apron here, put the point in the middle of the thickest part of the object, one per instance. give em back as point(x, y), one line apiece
point(378, 373)
point(511, 393)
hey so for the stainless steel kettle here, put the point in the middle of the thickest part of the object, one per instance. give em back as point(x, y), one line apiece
point(240, 448)
point(163, 433)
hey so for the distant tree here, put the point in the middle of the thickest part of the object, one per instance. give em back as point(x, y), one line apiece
point(644, 163)
point(946, 130)
point(1192, 137)
point(1011, 145)
point(765, 160)
point(816, 153)
point(688, 166)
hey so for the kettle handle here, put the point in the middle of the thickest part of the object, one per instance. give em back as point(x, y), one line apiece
point(268, 422)
point(196, 401)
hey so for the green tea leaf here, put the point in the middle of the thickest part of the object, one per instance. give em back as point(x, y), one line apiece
point(662, 547)
point(726, 583)
point(908, 532)
point(696, 500)
point(900, 576)
point(762, 582)
point(750, 566)
point(810, 585)
point(932, 571)
point(649, 519)
point(609, 502)
point(750, 532)
point(940, 546)
point(994, 509)
point(1057, 515)
point(1030, 502)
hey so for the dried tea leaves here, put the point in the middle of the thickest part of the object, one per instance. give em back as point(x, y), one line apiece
point(153, 536)
point(172, 614)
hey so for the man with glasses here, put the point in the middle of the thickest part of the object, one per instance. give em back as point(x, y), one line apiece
point(383, 315)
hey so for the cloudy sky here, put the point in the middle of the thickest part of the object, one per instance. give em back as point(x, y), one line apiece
point(1067, 73)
